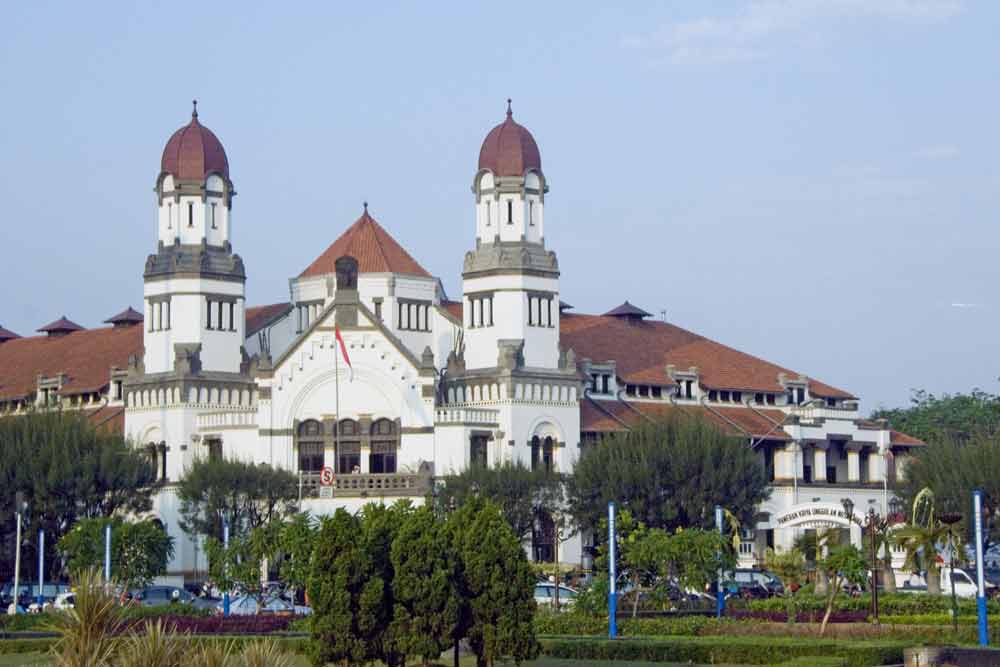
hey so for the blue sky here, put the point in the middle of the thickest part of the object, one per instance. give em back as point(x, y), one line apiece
point(813, 182)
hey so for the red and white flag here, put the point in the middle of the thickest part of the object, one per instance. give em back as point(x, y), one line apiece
point(343, 351)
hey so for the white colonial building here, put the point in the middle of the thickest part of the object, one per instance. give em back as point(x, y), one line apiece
point(433, 385)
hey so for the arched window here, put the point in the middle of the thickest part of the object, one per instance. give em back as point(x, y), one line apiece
point(310, 445)
point(384, 443)
point(543, 538)
point(541, 453)
point(348, 447)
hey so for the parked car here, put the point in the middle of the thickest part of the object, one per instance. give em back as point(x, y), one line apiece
point(545, 594)
point(154, 596)
point(246, 605)
point(965, 584)
point(752, 584)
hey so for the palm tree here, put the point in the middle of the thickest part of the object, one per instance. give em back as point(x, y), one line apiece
point(920, 543)
point(813, 544)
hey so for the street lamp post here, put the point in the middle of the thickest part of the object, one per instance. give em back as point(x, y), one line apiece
point(872, 528)
point(950, 519)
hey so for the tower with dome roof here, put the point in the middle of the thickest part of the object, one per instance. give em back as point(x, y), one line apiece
point(194, 283)
point(510, 280)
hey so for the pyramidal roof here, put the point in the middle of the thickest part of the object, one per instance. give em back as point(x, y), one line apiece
point(373, 247)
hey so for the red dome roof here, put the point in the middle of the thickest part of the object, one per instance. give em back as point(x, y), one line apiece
point(509, 149)
point(194, 152)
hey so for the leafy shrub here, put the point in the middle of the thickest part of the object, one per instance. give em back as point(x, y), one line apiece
point(713, 650)
point(889, 604)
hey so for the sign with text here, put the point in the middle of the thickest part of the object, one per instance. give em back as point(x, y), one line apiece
point(326, 476)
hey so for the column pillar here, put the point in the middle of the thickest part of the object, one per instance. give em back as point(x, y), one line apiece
point(853, 463)
point(365, 427)
point(876, 472)
point(819, 462)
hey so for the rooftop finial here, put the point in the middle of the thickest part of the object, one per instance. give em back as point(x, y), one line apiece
point(194, 110)
point(509, 112)
point(366, 206)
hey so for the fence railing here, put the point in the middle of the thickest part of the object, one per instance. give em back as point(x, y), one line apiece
point(365, 485)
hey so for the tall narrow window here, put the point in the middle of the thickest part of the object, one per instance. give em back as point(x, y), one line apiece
point(219, 321)
point(488, 216)
point(531, 211)
point(170, 216)
point(166, 305)
point(232, 316)
point(510, 212)
point(208, 321)
point(190, 214)
point(213, 216)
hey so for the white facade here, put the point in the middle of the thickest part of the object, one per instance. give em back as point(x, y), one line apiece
point(427, 394)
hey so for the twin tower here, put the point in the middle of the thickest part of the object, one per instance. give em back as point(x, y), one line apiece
point(194, 283)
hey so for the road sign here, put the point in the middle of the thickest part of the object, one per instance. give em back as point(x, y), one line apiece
point(326, 492)
point(326, 476)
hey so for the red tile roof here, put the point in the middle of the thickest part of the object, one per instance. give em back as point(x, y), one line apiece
point(259, 317)
point(606, 416)
point(85, 357)
point(193, 152)
point(898, 438)
point(642, 351)
point(62, 325)
point(509, 149)
point(453, 307)
point(373, 247)
point(7, 334)
point(128, 316)
point(627, 310)
point(110, 419)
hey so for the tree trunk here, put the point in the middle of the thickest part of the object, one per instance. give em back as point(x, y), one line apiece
point(888, 578)
point(635, 602)
point(933, 581)
point(829, 605)
point(822, 586)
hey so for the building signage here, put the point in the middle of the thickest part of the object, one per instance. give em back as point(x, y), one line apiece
point(813, 514)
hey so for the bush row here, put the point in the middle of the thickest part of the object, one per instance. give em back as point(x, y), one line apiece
point(889, 603)
point(287, 644)
point(28, 622)
point(714, 650)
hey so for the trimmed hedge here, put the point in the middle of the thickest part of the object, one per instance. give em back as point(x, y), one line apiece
point(288, 644)
point(889, 604)
point(713, 650)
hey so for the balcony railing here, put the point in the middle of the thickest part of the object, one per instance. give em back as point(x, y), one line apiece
point(365, 485)
point(238, 417)
point(467, 416)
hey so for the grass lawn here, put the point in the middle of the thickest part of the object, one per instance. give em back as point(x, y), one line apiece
point(26, 659)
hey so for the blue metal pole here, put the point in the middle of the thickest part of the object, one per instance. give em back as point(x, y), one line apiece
point(612, 574)
point(225, 544)
point(41, 567)
point(977, 510)
point(107, 551)
point(720, 600)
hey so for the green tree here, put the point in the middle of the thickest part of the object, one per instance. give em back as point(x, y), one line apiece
point(338, 585)
point(813, 544)
point(244, 495)
point(297, 536)
point(426, 602)
point(952, 468)
point(380, 524)
point(843, 564)
point(669, 473)
point(498, 583)
point(920, 544)
point(140, 550)
point(957, 417)
point(67, 471)
point(239, 566)
point(520, 492)
point(790, 567)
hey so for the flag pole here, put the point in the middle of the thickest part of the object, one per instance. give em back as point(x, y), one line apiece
point(336, 403)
